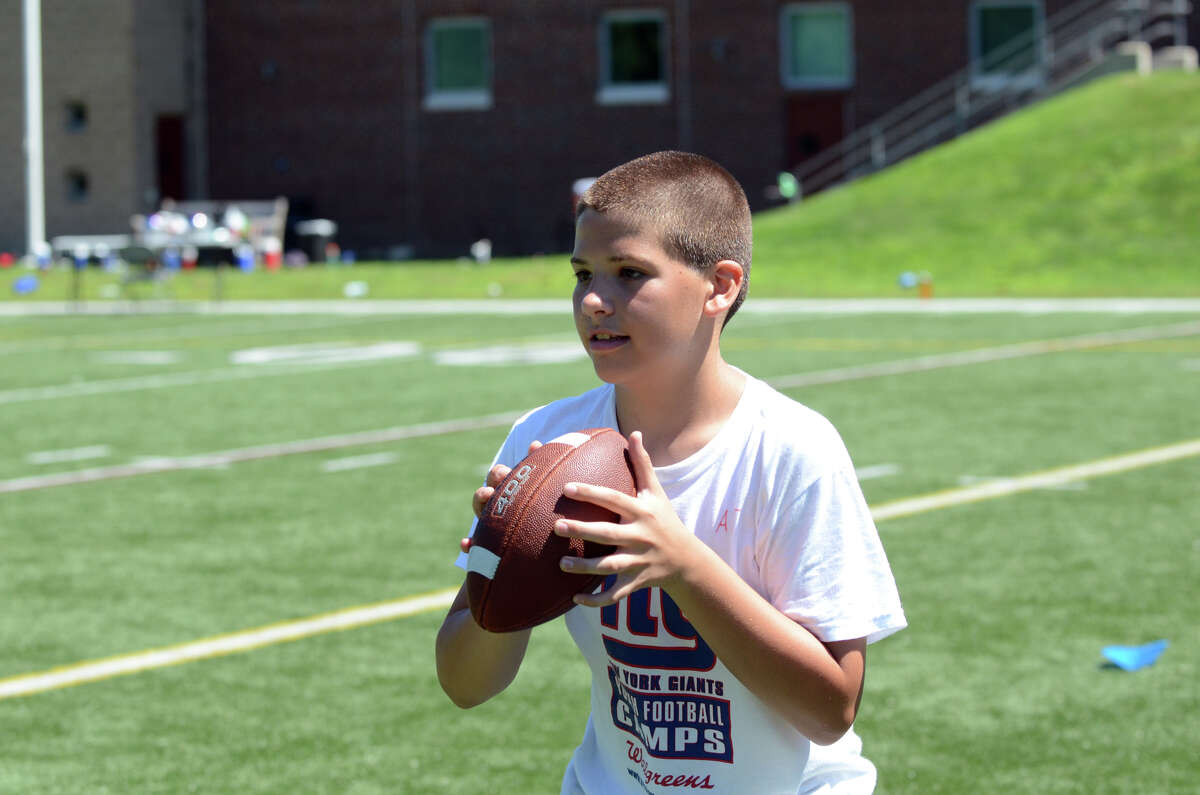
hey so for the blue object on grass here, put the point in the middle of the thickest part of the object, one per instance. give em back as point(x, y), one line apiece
point(24, 285)
point(1131, 658)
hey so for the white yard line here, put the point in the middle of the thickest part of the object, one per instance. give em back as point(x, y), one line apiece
point(980, 355)
point(226, 457)
point(840, 374)
point(81, 673)
point(207, 330)
point(873, 370)
point(1046, 479)
point(166, 380)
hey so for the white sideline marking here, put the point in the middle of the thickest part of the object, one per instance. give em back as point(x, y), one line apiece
point(81, 673)
point(359, 462)
point(493, 306)
point(1046, 479)
point(876, 471)
point(226, 457)
point(72, 454)
point(980, 355)
point(221, 645)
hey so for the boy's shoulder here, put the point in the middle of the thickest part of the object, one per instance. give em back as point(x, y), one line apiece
point(787, 423)
point(592, 409)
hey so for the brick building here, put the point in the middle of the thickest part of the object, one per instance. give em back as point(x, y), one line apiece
point(427, 124)
point(120, 112)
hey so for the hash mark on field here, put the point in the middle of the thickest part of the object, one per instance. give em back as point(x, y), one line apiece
point(359, 462)
point(876, 471)
point(71, 454)
point(81, 673)
point(137, 357)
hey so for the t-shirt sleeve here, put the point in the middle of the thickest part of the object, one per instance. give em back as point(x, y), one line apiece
point(824, 565)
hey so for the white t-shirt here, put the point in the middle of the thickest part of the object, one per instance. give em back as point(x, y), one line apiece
point(775, 495)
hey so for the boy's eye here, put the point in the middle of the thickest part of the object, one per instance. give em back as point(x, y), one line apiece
point(582, 276)
point(631, 273)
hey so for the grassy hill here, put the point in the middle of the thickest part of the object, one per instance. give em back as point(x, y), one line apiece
point(1091, 193)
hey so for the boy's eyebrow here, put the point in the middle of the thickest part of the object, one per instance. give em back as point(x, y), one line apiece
point(613, 258)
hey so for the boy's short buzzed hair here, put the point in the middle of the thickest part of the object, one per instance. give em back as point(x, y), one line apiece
point(699, 208)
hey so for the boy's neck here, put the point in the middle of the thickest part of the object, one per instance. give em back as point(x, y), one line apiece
point(677, 420)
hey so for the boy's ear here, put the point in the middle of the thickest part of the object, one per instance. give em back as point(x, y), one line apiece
point(725, 285)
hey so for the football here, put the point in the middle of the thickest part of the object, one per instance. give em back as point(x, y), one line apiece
point(513, 575)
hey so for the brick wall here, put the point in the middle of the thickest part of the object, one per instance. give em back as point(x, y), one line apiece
point(122, 61)
point(86, 54)
point(324, 106)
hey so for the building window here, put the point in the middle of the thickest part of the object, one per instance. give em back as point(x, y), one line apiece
point(633, 58)
point(817, 45)
point(76, 117)
point(458, 64)
point(1005, 43)
point(78, 185)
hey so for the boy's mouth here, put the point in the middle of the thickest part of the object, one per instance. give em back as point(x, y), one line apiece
point(606, 340)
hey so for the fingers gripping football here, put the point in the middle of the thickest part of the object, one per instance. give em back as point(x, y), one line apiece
point(653, 546)
point(496, 474)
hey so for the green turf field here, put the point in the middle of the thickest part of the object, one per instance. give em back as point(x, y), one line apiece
point(997, 686)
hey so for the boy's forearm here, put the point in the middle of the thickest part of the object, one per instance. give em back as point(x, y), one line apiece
point(473, 664)
point(815, 687)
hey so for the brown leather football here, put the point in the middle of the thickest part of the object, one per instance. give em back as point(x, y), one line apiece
point(513, 575)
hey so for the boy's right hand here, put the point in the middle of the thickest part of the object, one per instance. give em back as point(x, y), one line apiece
point(496, 474)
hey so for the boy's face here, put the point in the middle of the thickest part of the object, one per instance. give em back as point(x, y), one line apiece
point(639, 311)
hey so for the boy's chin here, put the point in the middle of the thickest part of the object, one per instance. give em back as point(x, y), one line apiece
point(609, 374)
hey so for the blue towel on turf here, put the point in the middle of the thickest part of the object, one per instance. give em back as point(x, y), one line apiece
point(1131, 658)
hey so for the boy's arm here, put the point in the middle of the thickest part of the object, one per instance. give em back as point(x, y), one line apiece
point(473, 664)
point(815, 686)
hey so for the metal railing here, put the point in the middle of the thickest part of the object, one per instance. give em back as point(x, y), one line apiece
point(1055, 55)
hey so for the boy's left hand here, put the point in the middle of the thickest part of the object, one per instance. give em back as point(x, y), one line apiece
point(653, 546)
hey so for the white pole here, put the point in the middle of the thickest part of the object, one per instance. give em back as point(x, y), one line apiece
point(35, 183)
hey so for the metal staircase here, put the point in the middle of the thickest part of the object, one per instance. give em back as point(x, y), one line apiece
point(1087, 39)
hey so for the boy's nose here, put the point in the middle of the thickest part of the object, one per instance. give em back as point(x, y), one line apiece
point(594, 304)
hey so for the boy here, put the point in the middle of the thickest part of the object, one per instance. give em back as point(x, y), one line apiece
point(748, 578)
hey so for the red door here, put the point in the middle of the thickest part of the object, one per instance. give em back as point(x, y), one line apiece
point(169, 145)
point(814, 122)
